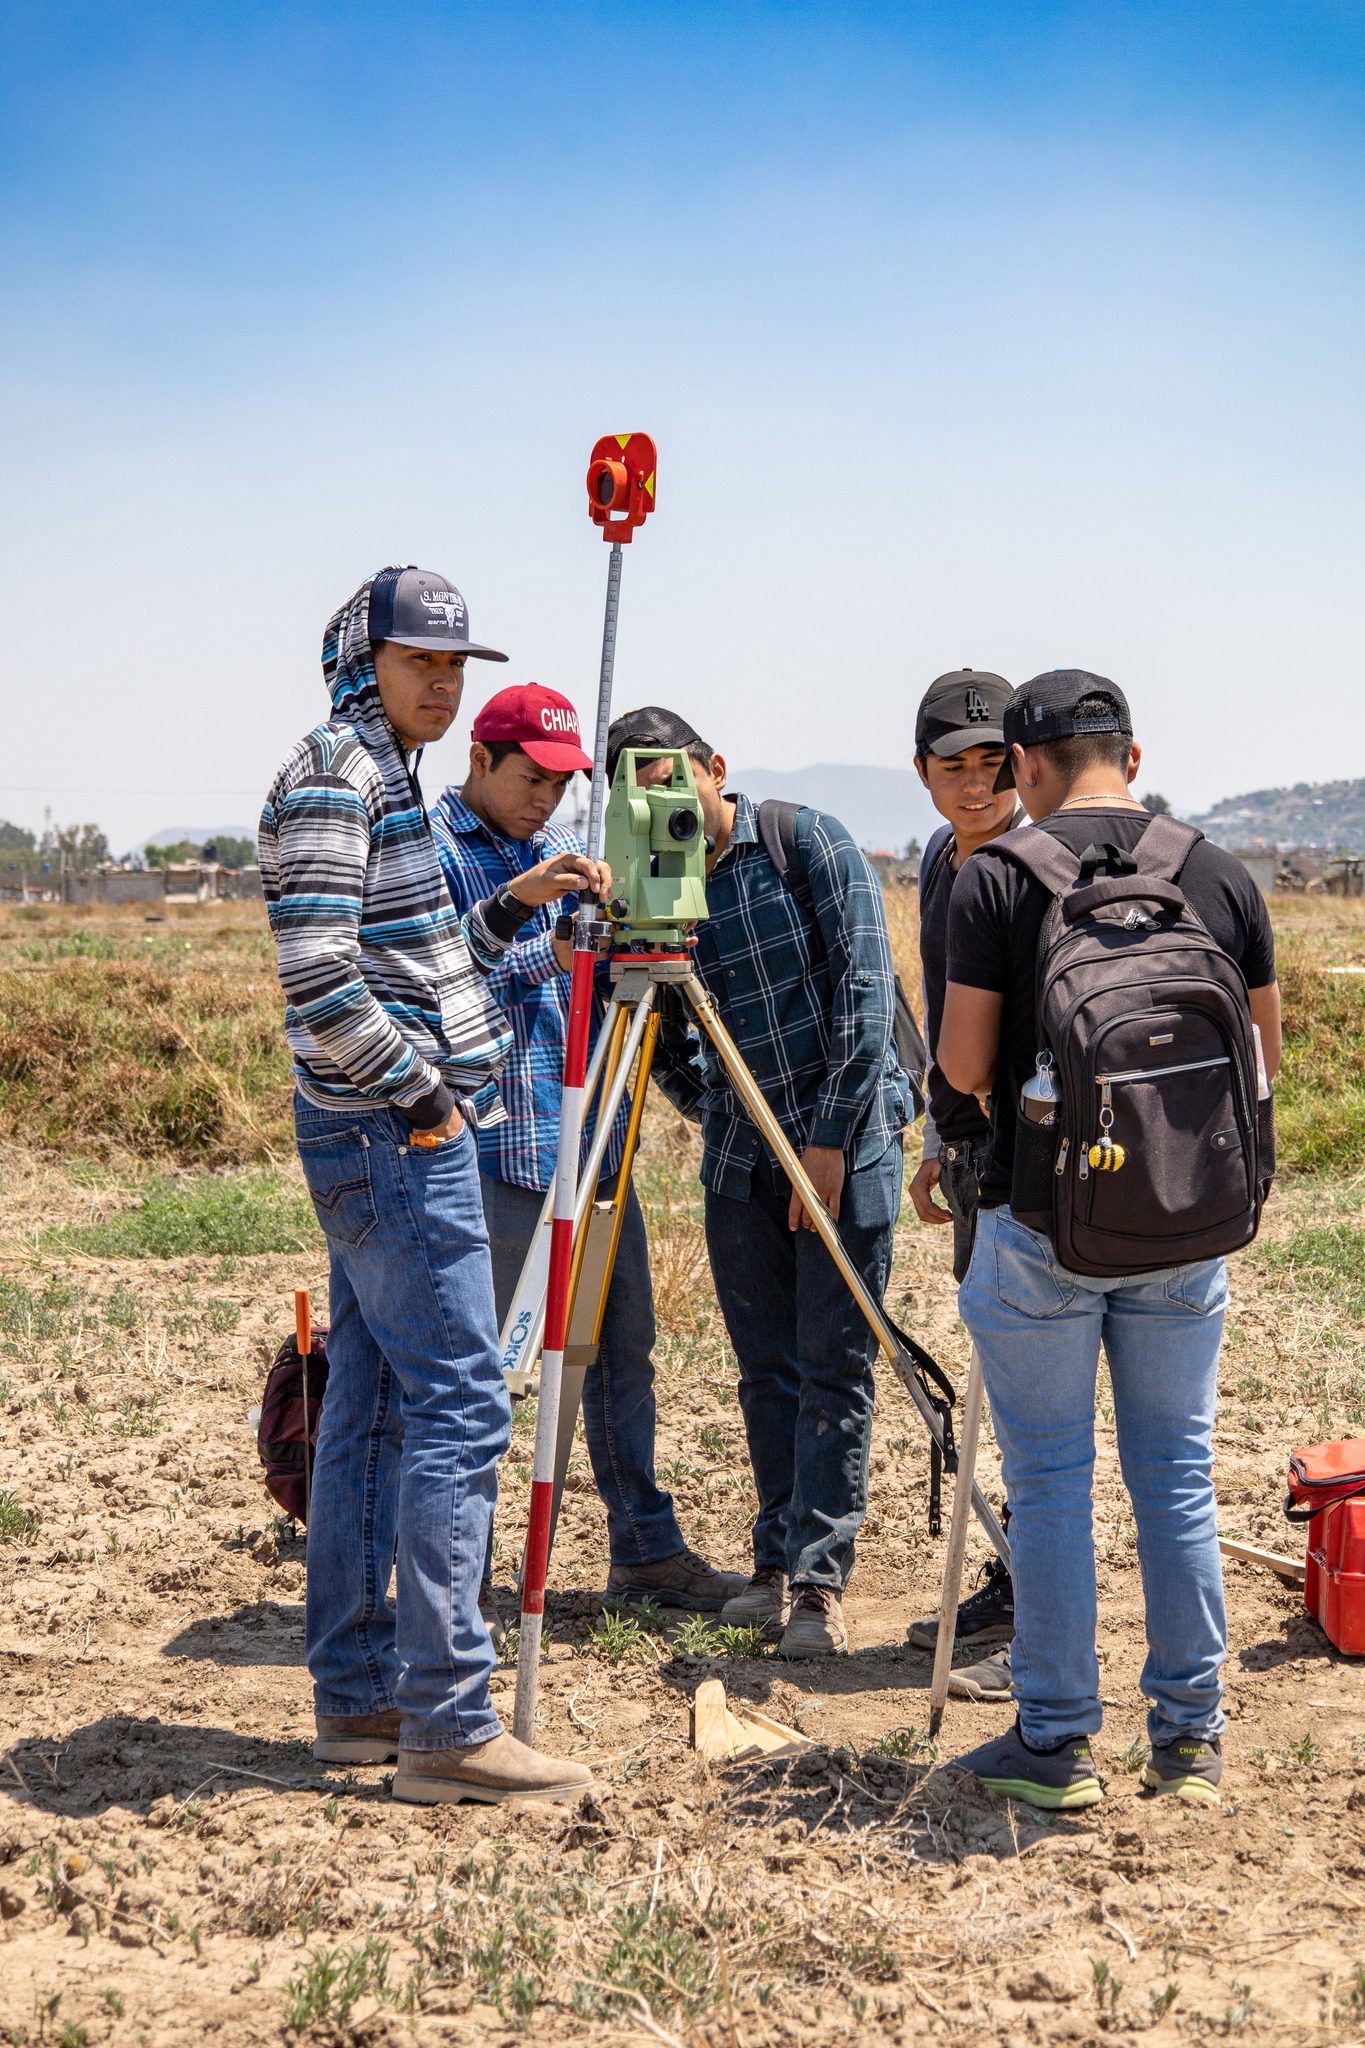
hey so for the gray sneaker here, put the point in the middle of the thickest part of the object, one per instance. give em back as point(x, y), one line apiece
point(1061, 1779)
point(683, 1580)
point(762, 1603)
point(1189, 1767)
point(987, 1680)
point(816, 1628)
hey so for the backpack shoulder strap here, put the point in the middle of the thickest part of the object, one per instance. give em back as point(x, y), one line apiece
point(777, 833)
point(1164, 847)
point(933, 857)
point(1044, 857)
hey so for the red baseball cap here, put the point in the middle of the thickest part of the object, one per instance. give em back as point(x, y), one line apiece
point(541, 722)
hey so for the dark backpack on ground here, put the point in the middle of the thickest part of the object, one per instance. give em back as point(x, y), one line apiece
point(1160, 1153)
point(777, 831)
point(280, 1432)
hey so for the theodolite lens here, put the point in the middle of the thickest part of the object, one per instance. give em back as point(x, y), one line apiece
point(682, 824)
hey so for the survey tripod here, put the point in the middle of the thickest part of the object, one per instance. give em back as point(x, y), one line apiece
point(627, 1040)
point(561, 1297)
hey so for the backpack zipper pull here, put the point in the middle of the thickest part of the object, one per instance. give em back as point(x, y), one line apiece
point(1082, 1165)
point(1060, 1168)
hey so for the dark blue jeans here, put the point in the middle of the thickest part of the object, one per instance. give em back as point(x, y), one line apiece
point(414, 1422)
point(805, 1360)
point(618, 1393)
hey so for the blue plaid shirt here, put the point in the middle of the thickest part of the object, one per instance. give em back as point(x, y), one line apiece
point(808, 995)
point(531, 987)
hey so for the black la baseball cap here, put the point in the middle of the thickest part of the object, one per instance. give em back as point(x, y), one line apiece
point(1046, 708)
point(963, 709)
point(418, 608)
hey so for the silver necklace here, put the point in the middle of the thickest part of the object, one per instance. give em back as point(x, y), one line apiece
point(1102, 796)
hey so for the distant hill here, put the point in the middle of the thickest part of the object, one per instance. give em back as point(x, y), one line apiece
point(1326, 814)
point(197, 835)
point(882, 807)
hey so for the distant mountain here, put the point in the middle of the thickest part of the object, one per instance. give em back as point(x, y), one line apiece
point(1326, 814)
point(882, 807)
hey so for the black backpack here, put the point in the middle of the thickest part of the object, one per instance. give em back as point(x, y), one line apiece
point(1160, 1152)
point(777, 831)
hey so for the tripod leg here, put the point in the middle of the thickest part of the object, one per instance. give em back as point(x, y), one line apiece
point(524, 1323)
point(597, 1241)
point(751, 1095)
point(957, 1544)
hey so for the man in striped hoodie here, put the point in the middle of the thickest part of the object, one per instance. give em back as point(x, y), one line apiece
point(397, 1043)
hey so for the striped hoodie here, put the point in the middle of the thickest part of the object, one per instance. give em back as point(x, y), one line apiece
point(386, 998)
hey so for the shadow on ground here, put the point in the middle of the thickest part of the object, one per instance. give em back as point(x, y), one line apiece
point(133, 1761)
point(263, 1632)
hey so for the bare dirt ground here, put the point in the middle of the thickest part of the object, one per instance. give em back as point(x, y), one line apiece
point(174, 1868)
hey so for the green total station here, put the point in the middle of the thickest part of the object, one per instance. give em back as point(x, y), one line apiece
point(655, 845)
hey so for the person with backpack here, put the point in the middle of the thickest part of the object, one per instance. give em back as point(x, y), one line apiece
point(795, 952)
point(524, 750)
point(959, 751)
point(1111, 989)
point(397, 1042)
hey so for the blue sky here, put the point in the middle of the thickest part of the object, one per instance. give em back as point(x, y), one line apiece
point(1016, 335)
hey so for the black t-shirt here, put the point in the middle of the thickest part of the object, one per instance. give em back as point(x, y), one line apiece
point(958, 1118)
point(996, 920)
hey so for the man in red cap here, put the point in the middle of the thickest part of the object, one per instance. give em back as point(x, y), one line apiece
point(524, 751)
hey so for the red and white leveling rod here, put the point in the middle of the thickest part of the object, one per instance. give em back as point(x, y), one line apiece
point(620, 498)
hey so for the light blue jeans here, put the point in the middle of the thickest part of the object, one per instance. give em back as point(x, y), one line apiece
point(415, 1418)
point(1038, 1329)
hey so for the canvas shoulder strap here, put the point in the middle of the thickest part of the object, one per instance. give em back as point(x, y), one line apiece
point(777, 833)
point(932, 859)
point(1042, 856)
point(1164, 847)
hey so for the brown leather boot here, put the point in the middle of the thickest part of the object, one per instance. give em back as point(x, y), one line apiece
point(357, 1738)
point(500, 1772)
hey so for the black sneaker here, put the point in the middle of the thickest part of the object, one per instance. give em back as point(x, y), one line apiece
point(1190, 1767)
point(1061, 1779)
point(987, 1617)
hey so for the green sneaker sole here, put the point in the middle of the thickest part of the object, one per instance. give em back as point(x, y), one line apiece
point(1055, 1798)
point(1195, 1791)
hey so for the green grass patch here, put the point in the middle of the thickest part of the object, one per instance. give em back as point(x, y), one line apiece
point(1328, 1259)
point(17, 1523)
point(216, 1213)
point(1320, 1090)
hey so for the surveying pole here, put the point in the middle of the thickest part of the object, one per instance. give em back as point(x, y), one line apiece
point(621, 477)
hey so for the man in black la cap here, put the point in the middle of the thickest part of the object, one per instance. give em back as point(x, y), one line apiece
point(959, 749)
point(1038, 1327)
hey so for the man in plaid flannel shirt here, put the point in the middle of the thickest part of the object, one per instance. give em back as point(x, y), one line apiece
point(802, 978)
point(525, 748)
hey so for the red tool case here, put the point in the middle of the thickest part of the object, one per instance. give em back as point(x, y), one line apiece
point(1327, 1490)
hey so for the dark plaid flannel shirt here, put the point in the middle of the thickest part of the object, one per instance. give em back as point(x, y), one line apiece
point(808, 995)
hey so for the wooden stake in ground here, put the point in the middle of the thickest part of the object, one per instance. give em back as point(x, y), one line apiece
point(1290, 1568)
point(722, 1733)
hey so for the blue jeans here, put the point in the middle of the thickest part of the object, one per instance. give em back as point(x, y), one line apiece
point(414, 1421)
point(618, 1393)
point(1038, 1329)
point(805, 1357)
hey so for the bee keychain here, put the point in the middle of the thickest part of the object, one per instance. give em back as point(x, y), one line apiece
point(1104, 1155)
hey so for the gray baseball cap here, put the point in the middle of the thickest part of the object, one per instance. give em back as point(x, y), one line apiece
point(418, 608)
